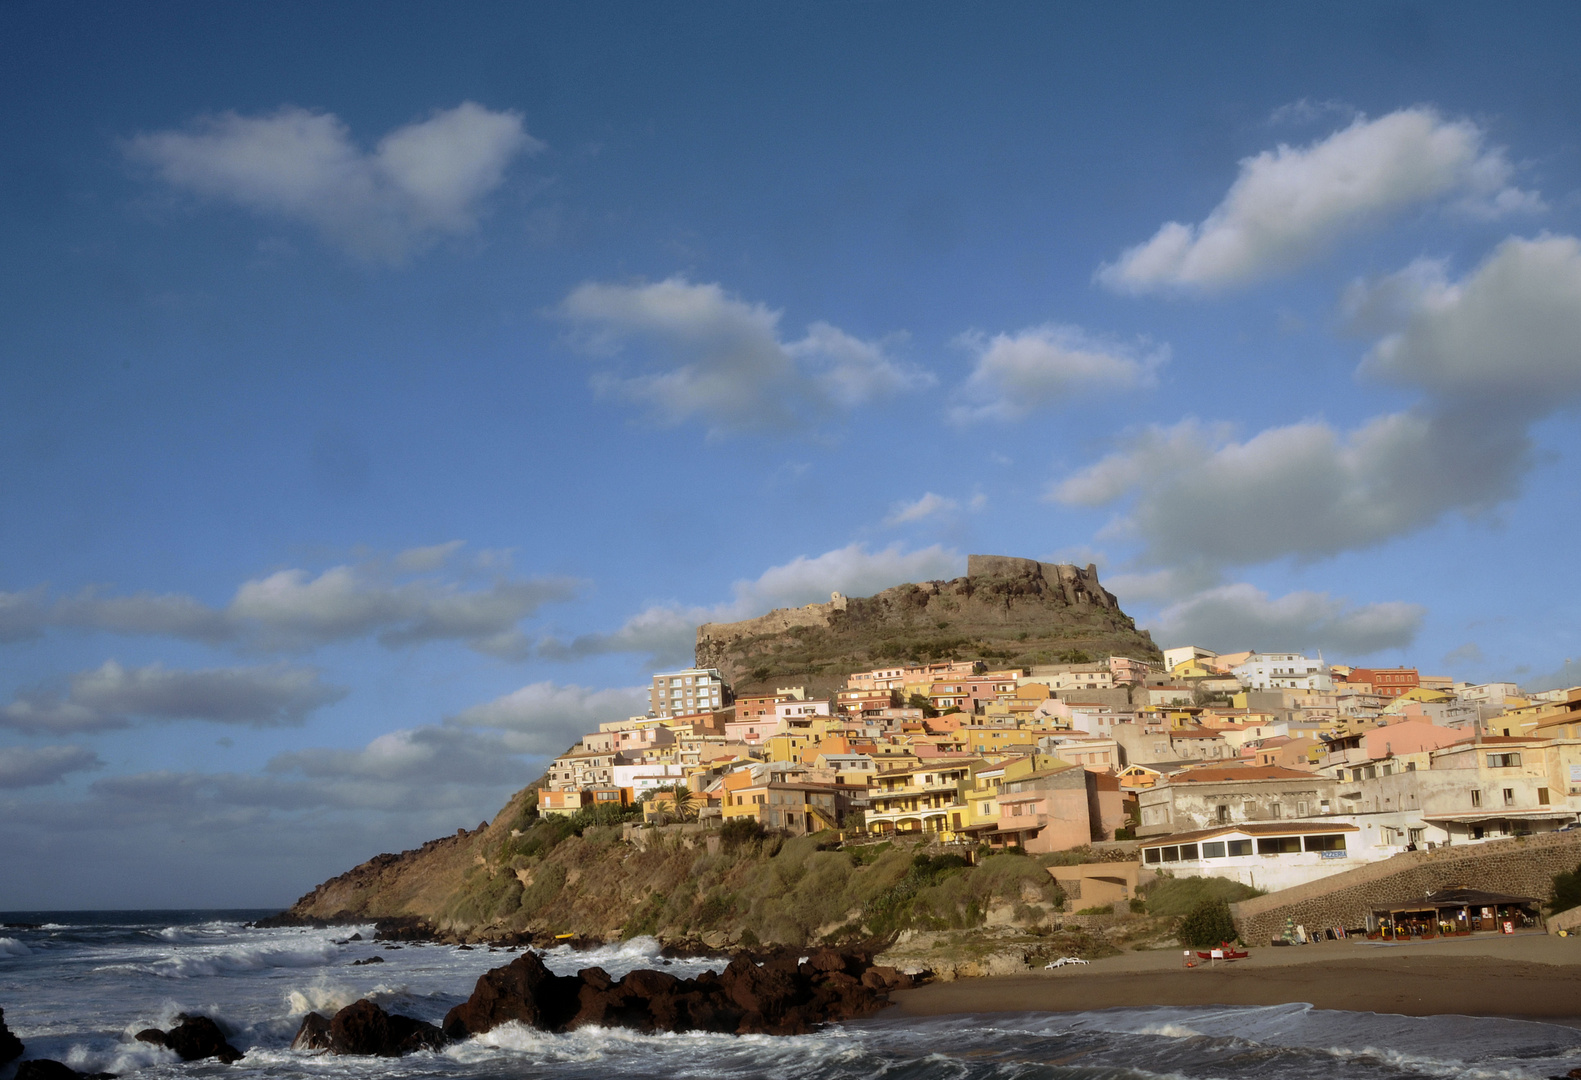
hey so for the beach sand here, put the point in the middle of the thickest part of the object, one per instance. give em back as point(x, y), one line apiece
point(1534, 976)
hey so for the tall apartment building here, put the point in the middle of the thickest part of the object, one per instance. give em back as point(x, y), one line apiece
point(681, 693)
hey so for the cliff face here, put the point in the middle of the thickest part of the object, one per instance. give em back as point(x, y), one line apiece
point(1006, 610)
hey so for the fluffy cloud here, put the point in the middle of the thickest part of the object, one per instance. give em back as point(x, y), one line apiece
point(546, 717)
point(668, 632)
point(1290, 202)
point(1307, 489)
point(111, 696)
point(293, 610)
point(424, 180)
point(1494, 353)
point(928, 506)
point(431, 755)
point(722, 361)
point(1016, 374)
point(1510, 331)
point(21, 766)
point(1241, 616)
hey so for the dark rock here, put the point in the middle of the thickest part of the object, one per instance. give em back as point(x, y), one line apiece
point(10, 1045)
point(523, 990)
point(365, 1029)
point(46, 1069)
point(369, 960)
point(193, 1039)
point(463, 948)
point(313, 1034)
point(355, 937)
point(778, 997)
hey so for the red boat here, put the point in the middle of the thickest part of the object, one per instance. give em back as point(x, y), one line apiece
point(1226, 953)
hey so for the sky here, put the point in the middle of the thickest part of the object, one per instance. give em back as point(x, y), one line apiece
point(386, 390)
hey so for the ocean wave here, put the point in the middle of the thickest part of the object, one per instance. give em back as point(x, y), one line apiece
point(230, 960)
point(329, 996)
point(195, 934)
point(10, 946)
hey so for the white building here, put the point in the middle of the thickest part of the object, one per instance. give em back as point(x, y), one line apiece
point(1182, 653)
point(1284, 671)
point(681, 693)
point(1265, 856)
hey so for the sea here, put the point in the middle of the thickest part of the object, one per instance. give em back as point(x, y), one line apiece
point(77, 986)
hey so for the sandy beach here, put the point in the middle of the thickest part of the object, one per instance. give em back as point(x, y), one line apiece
point(1531, 976)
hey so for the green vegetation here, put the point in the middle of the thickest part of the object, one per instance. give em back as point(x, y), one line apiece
point(1180, 896)
point(1567, 892)
point(1207, 925)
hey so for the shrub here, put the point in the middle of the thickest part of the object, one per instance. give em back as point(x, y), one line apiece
point(1178, 896)
point(739, 831)
point(547, 881)
point(1100, 909)
point(1207, 925)
point(1567, 892)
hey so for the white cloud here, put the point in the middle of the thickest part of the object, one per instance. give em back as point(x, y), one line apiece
point(1016, 374)
point(111, 696)
point(546, 717)
point(294, 609)
point(1510, 331)
point(724, 363)
point(1241, 616)
point(423, 180)
point(927, 506)
point(22, 767)
point(1306, 489)
point(1289, 203)
point(668, 632)
point(430, 754)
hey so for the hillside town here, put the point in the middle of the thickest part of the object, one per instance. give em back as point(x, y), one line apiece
point(1273, 769)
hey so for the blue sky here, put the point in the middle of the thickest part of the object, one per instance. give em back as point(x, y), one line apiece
point(386, 389)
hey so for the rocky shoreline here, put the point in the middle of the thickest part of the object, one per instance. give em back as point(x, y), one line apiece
point(769, 992)
point(783, 994)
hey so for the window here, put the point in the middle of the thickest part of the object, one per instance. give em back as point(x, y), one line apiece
point(1410, 766)
point(1542, 796)
point(1503, 761)
point(1224, 814)
point(1188, 852)
point(1240, 847)
point(1213, 850)
point(1171, 854)
point(1509, 796)
point(1416, 835)
point(1151, 855)
point(1476, 798)
point(1278, 810)
point(1335, 842)
point(1279, 845)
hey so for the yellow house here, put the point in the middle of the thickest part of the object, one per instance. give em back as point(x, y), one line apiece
point(928, 797)
point(788, 747)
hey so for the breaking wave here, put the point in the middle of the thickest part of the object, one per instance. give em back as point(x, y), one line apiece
point(10, 946)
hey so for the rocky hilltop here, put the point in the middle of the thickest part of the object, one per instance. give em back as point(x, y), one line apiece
point(1017, 612)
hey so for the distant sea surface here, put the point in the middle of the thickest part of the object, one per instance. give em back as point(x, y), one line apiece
point(78, 986)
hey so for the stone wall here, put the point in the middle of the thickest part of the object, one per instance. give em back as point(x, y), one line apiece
point(1522, 866)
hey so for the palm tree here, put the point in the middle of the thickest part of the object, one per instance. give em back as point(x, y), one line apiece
point(683, 801)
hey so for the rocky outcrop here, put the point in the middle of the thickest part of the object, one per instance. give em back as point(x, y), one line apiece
point(778, 996)
point(1006, 610)
point(194, 1038)
point(48, 1069)
point(10, 1045)
point(362, 1028)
